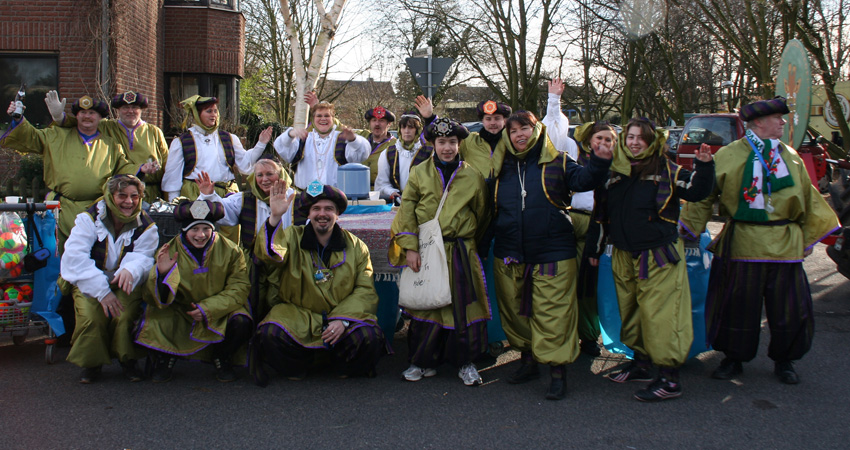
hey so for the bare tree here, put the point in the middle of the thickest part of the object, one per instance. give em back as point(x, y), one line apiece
point(504, 42)
point(752, 32)
point(808, 22)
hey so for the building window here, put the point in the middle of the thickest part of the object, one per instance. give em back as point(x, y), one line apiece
point(184, 85)
point(39, 72)
point(224, 4)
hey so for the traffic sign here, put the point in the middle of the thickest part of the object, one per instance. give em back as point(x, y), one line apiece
point(429, 72)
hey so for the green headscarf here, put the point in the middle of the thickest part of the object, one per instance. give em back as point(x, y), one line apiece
point(623, 157)
point(258, 191)
point(582, 135)
point(113, 208)
point(539, 130)
point(190, 105)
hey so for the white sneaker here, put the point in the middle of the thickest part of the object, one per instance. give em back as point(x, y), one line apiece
point(415, 373)
point(469, 375)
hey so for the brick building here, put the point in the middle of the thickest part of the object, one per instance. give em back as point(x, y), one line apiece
point(166, 49)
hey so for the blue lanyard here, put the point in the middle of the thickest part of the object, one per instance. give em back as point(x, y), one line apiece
point(763, 164)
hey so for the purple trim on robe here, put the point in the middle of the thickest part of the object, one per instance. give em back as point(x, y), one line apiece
point(279, 325)
point(201, 268)
point(88, 140)
point(484, 277)
point(169, 352)
point(690, 232)
point(12, 125)
point(131, 133)
point(767, 260)
point(269, 248)
point(419, 319)
point(203, 313)
point(164, 281)
point(823, 237)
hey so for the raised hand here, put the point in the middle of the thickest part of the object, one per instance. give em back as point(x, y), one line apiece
point(311, 99)
point(604, 150)
point(266, 135)
point(55, 106)
point(279, 202)
point(556, 86)
point(704, 153)
point(347, 133)
point(298, 133)
point(149, 167)
point(424, 105)
point(12, 108)
point(205, 184)
point(164, 261)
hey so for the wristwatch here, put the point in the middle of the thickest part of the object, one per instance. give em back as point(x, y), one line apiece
point(346, 323)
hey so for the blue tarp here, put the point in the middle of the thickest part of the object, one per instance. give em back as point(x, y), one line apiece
point(699, 266)
point(46, 293)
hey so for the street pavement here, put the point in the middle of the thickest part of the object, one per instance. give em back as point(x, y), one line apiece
point(44, 407)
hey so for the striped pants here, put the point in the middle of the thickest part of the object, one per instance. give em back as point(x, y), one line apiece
point(736, 293)
point(355, 354)
point(431, 345)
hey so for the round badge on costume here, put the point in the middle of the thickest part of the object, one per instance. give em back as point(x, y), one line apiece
point(443, 127)
point(129, 97)
point(199, 209)
point(379, 112)
point(315, 188)
point(490, 107)
point(86, 102)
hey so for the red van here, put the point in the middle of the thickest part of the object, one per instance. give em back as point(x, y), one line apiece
point(716, 130)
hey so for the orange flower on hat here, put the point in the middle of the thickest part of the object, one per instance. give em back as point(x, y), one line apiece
point(490, 107)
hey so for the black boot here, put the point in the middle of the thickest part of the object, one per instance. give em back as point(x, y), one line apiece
point(786, 373)
point(131, 372)
point(589, 348)
point(224, 370)
point(527, 370)
point(558, 385)
point(90, 375)
point(162, 369)
point(728, 369)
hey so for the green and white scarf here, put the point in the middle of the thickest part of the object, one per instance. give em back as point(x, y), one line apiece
point(753, 205)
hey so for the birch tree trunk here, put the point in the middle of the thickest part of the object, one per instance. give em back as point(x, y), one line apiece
point(306, 76)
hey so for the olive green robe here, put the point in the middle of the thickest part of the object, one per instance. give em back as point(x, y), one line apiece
point(72, 169)
point(811, 218)
point(464, 216)
point(475, 151)
point(148, 144)
point(372, 160)
point(219, 287)
point(350, 295)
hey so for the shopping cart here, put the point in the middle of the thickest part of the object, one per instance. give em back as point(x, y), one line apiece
point(21, 317)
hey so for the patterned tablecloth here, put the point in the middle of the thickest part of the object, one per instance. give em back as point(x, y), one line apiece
point(374, 230)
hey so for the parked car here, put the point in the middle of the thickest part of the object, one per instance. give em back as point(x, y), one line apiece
point(822, 169)
point(673, 141)
point(473, 126)
point(718, 130)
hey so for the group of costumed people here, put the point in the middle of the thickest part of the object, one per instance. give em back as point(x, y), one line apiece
point(520, 200)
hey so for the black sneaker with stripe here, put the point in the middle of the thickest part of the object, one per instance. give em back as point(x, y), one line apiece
point(660, 389)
